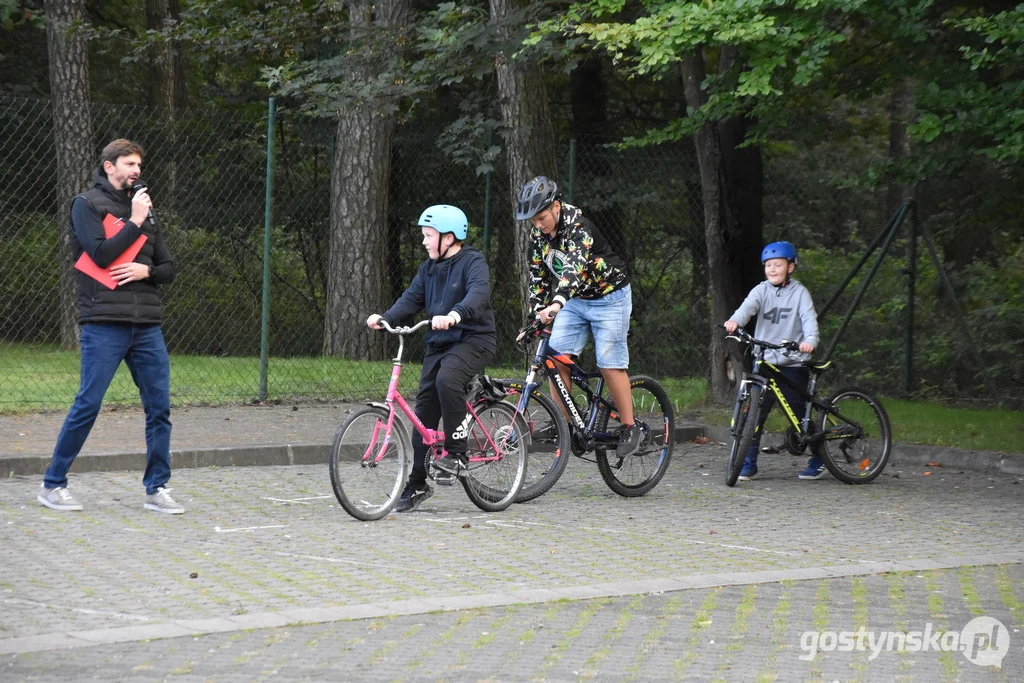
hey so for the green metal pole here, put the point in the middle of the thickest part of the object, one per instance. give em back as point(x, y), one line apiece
point(908, 350)
point(267, 222)
point(863, 288)
point(572, 170)
point(487, 205)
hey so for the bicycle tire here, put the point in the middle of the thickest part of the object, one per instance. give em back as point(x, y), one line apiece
point(858, 436)
point(637, 474)
point(494, 485)
point(369, 490)
point(747, 435)
point(547, 445)
point(736, 456)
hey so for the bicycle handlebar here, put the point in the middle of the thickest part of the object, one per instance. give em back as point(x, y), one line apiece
point(742, 335)
point(401, 329)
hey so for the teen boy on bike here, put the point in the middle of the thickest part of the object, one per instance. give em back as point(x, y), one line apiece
point(453, 287)
point(575, 274)
point(786, 314)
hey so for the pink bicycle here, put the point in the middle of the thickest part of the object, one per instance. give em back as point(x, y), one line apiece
point(371, 456)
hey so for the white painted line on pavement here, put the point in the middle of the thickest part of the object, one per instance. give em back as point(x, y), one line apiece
point(340, 561)
point(249, 528)
point(300, 501)
point(82, 610)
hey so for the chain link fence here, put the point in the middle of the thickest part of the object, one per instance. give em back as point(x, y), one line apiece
point(207, 174)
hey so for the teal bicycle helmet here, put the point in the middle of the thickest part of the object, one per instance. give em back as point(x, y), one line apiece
point(444, 219)
point(535, 196)
point(780, 250)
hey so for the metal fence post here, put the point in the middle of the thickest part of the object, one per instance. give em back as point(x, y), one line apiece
point(487, 204)
point(572, 170)
point(267, 222)
point(908, 345)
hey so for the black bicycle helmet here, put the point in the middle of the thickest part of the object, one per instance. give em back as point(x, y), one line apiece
point(535, 196)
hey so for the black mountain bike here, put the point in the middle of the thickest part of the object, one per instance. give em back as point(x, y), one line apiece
point(850, 432)
point(593, 429)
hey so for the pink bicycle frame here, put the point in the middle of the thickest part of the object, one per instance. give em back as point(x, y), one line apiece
point(431, 437)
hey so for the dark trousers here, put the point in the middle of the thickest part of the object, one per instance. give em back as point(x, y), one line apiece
point(442, 395)
point(799, 377)
point(104, 346)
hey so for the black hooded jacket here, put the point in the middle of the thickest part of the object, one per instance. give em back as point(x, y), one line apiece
point(460, 285)
point(134, 302)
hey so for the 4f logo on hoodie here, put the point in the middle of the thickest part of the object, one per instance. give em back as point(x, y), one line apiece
point(776, 315)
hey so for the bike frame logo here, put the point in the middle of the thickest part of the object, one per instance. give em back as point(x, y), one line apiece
point(983, 641)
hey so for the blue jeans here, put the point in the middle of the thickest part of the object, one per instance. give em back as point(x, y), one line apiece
point(606, 317)
point(104, 346)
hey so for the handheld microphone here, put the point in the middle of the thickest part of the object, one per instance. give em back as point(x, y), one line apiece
point(137, 187)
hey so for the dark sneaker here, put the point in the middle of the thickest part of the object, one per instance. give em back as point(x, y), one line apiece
point(454, 464)
point(629, 441)
point(815, 469)
point(749, 471)
point(412, 496)
point(771, 450)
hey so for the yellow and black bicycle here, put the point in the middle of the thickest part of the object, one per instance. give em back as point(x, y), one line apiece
point(850, 429)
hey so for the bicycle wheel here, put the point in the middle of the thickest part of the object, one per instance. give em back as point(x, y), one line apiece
point(497, 456)
point(547, 445)
point(750, 406)
point(366, 482)
point(857, 436)
point(747, 435)
point(637, 474)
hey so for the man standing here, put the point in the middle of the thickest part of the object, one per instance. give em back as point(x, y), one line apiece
point(120, 324)
point(575, 274)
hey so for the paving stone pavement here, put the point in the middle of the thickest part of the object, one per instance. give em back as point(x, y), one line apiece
point(266, 577)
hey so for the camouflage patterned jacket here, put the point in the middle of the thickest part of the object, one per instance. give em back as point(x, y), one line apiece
point(577, 262)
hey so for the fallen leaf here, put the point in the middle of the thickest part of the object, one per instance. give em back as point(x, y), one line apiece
point(466, 525)
point(193, 575)
point(927, 474)
point(702, 440)
point(933, 463)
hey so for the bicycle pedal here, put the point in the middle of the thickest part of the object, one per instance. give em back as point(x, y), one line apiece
point(444, 479)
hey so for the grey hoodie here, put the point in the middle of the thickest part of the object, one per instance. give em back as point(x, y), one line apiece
point(784, 313)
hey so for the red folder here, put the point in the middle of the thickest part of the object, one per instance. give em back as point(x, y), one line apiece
point(111, 226)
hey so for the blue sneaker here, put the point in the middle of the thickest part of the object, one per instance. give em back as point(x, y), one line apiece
point(749, 471)
point(815, 469)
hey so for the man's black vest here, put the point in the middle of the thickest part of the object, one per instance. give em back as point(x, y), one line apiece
point(134, 302)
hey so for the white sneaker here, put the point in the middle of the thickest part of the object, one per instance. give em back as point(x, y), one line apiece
point(161, 501)
point(57, 499)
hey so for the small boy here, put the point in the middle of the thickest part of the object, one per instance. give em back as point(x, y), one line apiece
point(786, 314)
point(453, 287)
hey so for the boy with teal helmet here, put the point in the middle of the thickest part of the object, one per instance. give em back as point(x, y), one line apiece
point(453, 287)
point(785, 312)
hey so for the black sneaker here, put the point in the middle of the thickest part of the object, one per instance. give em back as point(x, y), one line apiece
point(412, 496)
point(454, 464)
point(629, 441)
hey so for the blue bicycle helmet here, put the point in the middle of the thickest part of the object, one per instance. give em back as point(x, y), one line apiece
point(780, 250)
point(535, 196)
point(444, 219)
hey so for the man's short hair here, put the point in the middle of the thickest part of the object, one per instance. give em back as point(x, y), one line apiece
point(117, 149)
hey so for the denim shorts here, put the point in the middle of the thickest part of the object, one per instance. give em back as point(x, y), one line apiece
point(607, 318)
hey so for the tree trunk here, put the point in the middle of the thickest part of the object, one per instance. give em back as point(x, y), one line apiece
point(72, 122)
point(901, 111)
point(167, 92)
point(529, 137)
point(356, 277)
point(731, 182)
